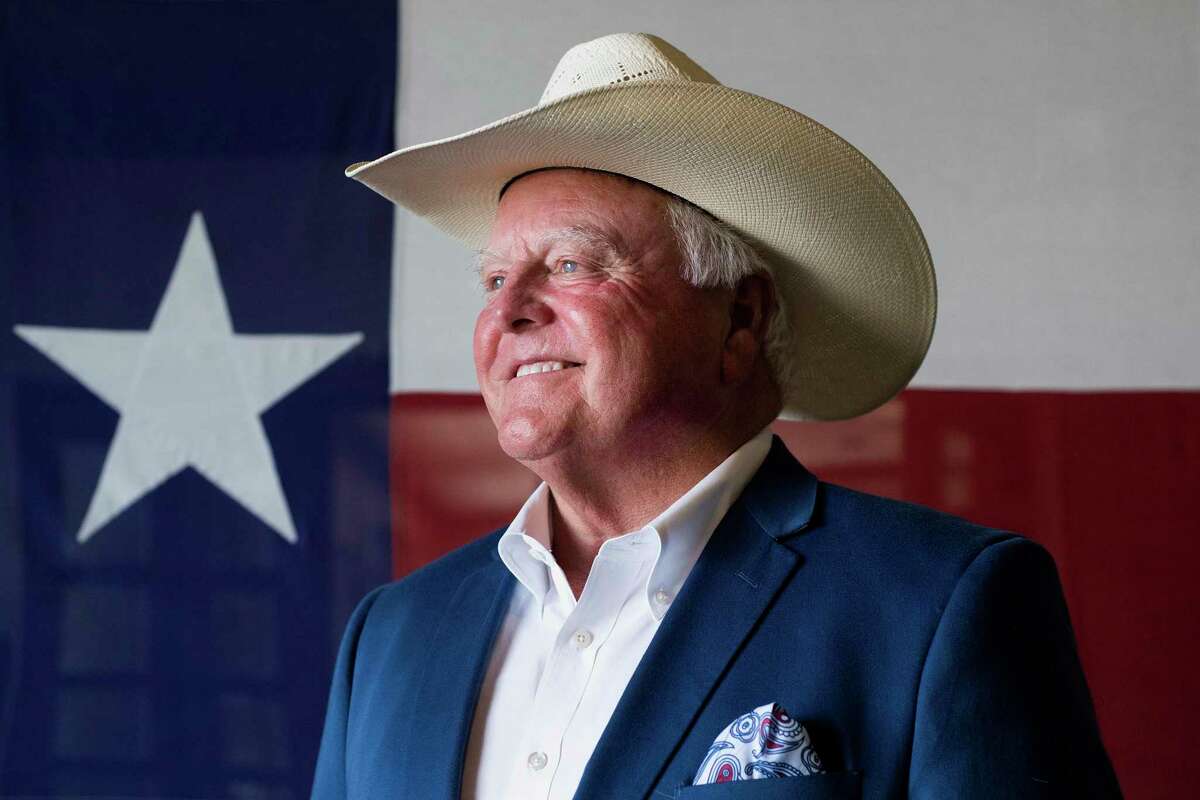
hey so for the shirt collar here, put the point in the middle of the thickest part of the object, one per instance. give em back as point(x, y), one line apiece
point(673, 540)
point(525, 546)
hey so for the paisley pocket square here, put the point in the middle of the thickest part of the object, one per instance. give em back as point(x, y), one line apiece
point(764, 743)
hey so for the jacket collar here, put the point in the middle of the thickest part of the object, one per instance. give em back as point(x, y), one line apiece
point(782, 497)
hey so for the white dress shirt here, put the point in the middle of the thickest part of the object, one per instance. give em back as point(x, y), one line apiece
point(560, 665)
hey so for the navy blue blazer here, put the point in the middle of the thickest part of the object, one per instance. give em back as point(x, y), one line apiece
point(927, 657)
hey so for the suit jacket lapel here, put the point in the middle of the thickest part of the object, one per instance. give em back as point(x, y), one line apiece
point(739, 573)
point(457, 660)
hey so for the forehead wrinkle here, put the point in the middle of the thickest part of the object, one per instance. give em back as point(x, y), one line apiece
point(582, 234)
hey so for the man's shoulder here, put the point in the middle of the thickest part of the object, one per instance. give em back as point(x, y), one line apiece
point(839, 522)
point(904, 542)
point(852, 512)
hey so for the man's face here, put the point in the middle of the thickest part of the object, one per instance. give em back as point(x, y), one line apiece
point(583, 292)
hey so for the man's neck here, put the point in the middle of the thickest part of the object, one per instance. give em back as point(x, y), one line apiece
point(590, 506)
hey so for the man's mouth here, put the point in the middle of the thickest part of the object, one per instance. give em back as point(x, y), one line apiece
point(543, 366)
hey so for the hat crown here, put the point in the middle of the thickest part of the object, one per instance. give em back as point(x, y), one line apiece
point(621, 58)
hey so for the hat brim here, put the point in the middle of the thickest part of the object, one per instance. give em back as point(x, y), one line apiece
point(849, 258)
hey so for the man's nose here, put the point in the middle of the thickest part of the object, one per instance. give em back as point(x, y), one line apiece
point(523, 305)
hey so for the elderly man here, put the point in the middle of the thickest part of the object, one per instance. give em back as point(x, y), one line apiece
point(668, 266)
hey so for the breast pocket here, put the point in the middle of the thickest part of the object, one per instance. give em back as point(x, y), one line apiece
point(827, 786)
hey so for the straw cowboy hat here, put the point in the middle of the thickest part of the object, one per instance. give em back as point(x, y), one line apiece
point(848, 257)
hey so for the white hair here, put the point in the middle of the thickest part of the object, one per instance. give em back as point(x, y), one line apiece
point(717, 256)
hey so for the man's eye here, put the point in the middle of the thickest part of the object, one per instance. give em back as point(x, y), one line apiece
point(569, 266)
point(494, 283)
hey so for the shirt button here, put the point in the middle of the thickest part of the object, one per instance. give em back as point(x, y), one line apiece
point(662, 597)
point(537, 761)
point(582, 638)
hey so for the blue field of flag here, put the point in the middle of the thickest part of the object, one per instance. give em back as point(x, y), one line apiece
point(193, 386)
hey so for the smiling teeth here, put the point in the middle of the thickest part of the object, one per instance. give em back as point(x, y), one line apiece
point(540, 366)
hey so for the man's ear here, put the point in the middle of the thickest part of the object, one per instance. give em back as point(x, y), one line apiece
point(751, 305)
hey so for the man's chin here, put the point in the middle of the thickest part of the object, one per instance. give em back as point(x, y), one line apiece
point(525, 440)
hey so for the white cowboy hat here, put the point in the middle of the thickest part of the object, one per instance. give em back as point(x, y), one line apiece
point(848, 257)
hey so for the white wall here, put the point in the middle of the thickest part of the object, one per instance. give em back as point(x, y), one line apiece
point(1050, 151)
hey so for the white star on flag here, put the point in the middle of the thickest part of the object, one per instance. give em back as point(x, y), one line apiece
point(189, 392)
